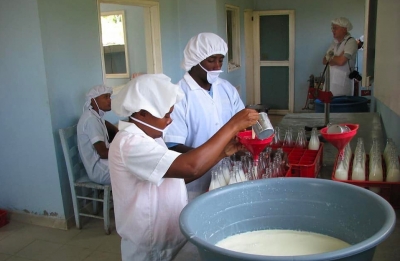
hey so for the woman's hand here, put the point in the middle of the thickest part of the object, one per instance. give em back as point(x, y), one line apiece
point(244, 119)
point(232, 147)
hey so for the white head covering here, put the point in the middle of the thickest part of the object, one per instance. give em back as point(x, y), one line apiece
point(200, 47)
point(96, 91)
point(151, 92)
point(343, 22)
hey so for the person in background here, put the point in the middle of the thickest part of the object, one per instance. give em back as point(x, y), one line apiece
point(341, 57)
point(95, 134)
point(208, 104)
point(147, 178)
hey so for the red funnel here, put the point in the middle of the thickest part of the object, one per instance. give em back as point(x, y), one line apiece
point(340, 140)
point(255, 146)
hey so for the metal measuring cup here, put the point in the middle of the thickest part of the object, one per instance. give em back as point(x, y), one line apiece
point(263, 128)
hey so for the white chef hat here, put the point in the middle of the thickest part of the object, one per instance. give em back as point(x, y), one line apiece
point(343, 22)
point(96, 91)
point(200, 47)
point(151, 92)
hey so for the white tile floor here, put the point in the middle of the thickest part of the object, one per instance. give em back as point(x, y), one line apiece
point(20, 242)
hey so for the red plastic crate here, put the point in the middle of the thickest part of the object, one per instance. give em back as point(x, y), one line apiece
point(3, 218)
point(305, 163)
point(388, 190)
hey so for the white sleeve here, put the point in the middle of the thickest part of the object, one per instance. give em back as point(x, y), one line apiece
point(147, 159)
point(350, 48)
point(94, 130)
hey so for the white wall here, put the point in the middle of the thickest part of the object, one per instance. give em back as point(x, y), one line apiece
point(387, 64)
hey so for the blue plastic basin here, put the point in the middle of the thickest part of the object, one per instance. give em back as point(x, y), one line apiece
point(344, 104)
point(344, 211)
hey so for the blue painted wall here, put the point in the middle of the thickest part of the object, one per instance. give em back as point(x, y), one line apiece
point(29, 180)
point(46, 67)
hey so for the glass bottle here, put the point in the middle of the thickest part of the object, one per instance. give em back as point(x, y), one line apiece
point(233, 177)
point(301, 140)
point(221, 178)
point(225, 170)
point(358, 172)
point(288, 140)
point(214, 184)
point(276, 141)
point(376, 173)
point(314, 140)
point(341, 173)
point(241, 171)
point(393, 170)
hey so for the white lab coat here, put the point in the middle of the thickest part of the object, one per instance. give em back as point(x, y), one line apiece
point(340, 83)
point(147, 206)
point(198, 116)
point(91, 129)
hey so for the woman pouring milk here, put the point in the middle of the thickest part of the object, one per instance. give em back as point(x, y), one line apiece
point(147, 179)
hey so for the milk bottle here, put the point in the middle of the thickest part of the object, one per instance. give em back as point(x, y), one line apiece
point(214, 184)
point(376, 173)
point(225, 170)
point(233, 177)
point(314, 140)
point(393, 170)
point(241, 172)
point(341, 172)
point(358, 169)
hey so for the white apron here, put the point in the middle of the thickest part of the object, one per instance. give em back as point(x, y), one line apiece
point(340, 83)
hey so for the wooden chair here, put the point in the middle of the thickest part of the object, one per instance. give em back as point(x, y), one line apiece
point(79, 180)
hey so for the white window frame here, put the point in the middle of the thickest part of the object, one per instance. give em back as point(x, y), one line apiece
point(234, 44)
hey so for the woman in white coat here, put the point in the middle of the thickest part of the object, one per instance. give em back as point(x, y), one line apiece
point(341, 56)
point(148, 179)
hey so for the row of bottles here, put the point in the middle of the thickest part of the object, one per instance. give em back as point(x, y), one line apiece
point(392, 162)
point(375, 169)
point(270, 164)
point(301, 140)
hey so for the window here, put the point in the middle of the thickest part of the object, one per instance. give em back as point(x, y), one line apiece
point(233, 36)
point(115, 52)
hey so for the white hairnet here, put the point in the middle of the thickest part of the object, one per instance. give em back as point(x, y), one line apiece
point(343, 22)
point(151, 92)
point(200, 47)
point(96, 91)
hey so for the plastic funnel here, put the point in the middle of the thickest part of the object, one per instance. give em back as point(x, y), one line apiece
point(255, 146)
point(340, 140)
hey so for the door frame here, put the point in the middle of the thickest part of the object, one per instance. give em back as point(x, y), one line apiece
point(255, 56)
point(151, 11)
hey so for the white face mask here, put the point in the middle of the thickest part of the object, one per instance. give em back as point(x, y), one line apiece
point(148, 125)
point(101, 112)
point(212, 76)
